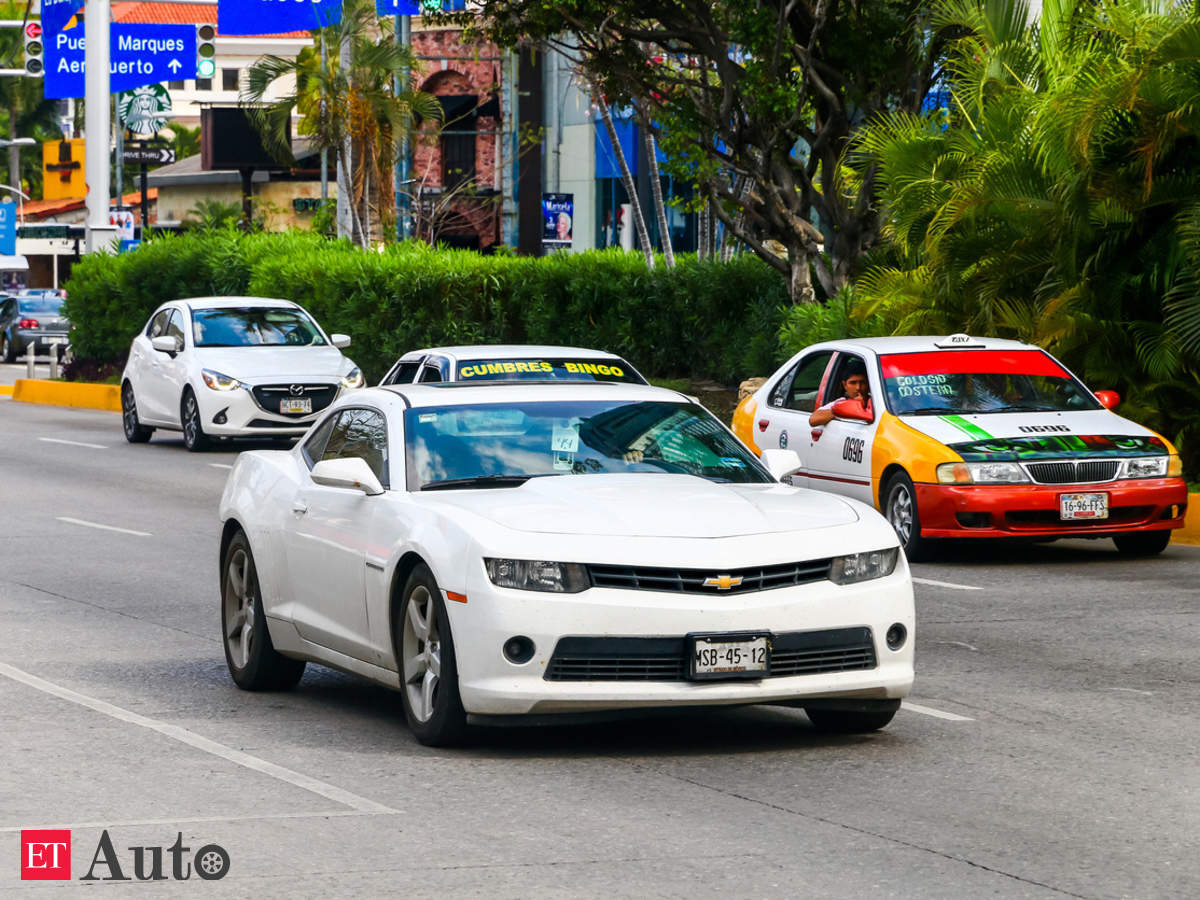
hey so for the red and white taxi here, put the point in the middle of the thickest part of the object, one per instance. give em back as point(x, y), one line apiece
point(969, 437)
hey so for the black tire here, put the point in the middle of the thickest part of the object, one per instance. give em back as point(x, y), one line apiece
point(135, 431)
point(845, 721)
point(900, 508)
point(1142, 543)
point(8, 351)
point(194, 437)
point(253, 661)
point(429, 691)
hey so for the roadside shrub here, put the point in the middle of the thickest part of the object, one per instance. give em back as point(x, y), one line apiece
point(703, 320)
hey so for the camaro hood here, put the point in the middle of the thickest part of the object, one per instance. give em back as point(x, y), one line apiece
point(263, 364)
point(650, 506)
point(1039, 435)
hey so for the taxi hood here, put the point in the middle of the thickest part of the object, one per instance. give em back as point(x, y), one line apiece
point(650, 505)
point(1054, 434)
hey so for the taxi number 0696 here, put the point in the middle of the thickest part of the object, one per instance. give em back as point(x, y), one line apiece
point(852, 450)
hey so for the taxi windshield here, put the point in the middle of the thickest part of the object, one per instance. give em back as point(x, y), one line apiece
point(506, 444)
point(554, 369)
point(254, 326)
point(957, 382)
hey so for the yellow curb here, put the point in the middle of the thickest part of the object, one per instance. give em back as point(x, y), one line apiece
point(1190, 532)
point(6, 390)
point(68, 393)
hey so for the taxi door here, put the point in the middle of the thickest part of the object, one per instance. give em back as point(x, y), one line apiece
point(839, 454)
point(783, 422)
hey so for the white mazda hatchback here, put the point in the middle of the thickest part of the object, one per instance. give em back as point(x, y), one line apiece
point(232, 367)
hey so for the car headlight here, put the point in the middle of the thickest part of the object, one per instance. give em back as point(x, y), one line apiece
point(863, 566)
point(354, 379)
point(1147, 467)
point(219, 382)
point(538, 575)
point(981, 473)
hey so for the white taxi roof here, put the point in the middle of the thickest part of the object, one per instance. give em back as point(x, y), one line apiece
point(235, 302)
point(921, 344)
point(456, 393)
point(509, 351)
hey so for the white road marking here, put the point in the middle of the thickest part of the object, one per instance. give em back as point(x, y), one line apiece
point(960, 644)
point(947, 584)
point(1133, 691)
point(103, 527)
point(220, 466)
point(74, 443)
point(296, 779)
point(936, 713)
point(200, 820)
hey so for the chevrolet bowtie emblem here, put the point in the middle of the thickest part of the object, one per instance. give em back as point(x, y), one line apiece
point(722, 582)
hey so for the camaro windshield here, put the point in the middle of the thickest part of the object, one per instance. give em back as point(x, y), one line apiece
point(541, 369)
point(980, 381)
point(254, 326)
point(32, 306)
point(505, 444)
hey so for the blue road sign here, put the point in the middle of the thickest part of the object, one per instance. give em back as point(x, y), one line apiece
point(139, 54)
point(57, 13)
point(274, 17)
point(8, 229)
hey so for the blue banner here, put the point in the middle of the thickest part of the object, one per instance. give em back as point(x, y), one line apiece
point(8, 229)
point(138, 54)
point(276, 16)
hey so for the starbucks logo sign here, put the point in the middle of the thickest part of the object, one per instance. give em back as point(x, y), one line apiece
point(145, 110)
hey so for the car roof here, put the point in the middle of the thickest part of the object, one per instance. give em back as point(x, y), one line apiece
point(510, 351)
point(457, 393)
point(228, 302)
point(921, 344)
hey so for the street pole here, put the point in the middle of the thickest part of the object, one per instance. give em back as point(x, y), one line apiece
point(97, 123)
point(403, 32)
point(324, 113)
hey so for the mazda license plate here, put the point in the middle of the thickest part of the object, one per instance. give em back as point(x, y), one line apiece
point(296, 405)
point(729, 656)
point(1082, 506)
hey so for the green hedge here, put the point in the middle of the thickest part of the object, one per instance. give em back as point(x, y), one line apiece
point(700, 319)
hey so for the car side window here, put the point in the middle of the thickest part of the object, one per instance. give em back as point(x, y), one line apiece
point(314, 448)
point(175, 327)
point(799, 391)
point(404, 373)
point(430, 375)
point(833, 390)
point(361, 433)
point(158, 324)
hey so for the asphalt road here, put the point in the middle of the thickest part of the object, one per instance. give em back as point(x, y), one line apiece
point(1049, 749)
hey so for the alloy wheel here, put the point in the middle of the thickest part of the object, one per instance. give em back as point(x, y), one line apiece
point(900, 513)
point(421, 651)
point(129, 411)
point(240, 603)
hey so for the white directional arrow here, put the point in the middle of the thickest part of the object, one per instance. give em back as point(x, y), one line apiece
point(174, 65)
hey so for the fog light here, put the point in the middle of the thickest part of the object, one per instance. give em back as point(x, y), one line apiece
point(896, 636)
point(518, 650)
point(219, 418)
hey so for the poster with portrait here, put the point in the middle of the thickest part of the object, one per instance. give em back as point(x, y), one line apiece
point(558, 214)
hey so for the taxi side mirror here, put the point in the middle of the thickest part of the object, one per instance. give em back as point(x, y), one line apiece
point(1109, 399)
point(781, 463)
point(853, 410)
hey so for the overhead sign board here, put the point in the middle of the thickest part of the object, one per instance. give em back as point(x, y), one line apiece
point(139, 54)
point(57, 14)
point(273, 17)
point(62, 170)
point(147, 153)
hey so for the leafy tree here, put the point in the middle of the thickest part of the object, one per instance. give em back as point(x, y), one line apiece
point(754, 102)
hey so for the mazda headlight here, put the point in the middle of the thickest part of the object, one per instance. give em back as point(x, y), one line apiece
point(1146, 467)
point(354, 379)
point(863, 566)
point(981, 473)
point(219, 382)
point(538, 575)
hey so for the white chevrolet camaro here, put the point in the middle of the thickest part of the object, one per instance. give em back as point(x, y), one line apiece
point(232, 367)
point(507, 550)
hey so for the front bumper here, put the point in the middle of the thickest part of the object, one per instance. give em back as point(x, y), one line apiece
point(491, 685)
point(236, 414)
point(1031, 510)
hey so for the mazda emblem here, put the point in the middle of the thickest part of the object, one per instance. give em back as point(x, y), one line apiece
point(296, 390)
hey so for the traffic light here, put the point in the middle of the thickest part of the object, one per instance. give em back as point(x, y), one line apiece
point(206, 51)
point(34, 49)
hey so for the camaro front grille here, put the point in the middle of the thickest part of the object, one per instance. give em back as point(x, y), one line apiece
point(701, 581)
point(665, 658)
point(268, 396)
point(1083, 471)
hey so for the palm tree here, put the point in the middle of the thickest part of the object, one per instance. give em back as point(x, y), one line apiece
point(349, 107)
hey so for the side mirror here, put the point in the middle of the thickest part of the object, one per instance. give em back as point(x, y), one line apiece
point(781, 463)
point(854, 410)
point(1109, 399)
point(165, 344)
point(341, 341)
point(351, 473)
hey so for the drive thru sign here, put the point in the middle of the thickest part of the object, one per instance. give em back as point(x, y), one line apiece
point(140, 54)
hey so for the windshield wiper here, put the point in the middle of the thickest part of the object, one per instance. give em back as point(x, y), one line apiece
point(1020, 408)
point(934, 411)
point(485, 481)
